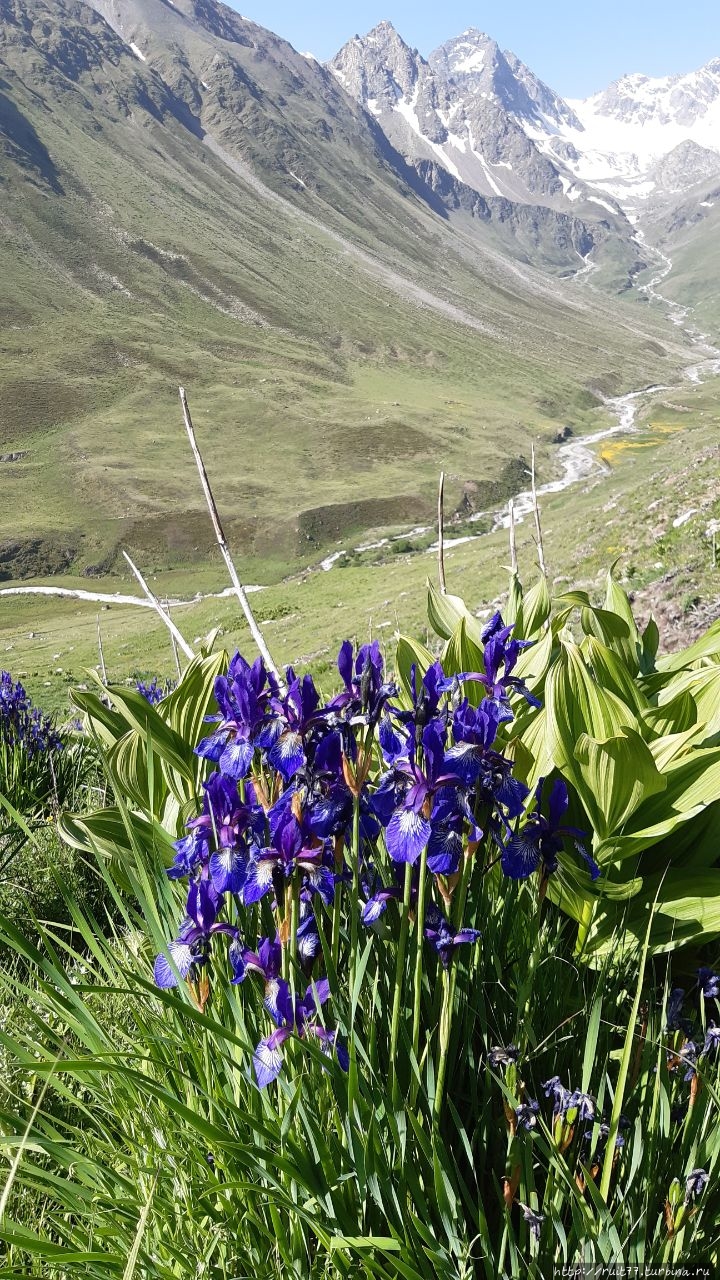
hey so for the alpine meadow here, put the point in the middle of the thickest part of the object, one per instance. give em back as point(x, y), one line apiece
point(360, 613)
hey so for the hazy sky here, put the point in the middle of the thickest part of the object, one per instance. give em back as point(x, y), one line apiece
point(576, 48)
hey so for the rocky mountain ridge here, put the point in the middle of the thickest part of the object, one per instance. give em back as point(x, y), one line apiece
point(496, 127)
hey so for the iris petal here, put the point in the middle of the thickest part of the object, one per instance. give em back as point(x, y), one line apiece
point(406, 835)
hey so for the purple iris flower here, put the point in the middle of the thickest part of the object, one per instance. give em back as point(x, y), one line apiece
point(502, 1056)
point(301, 1022)
point(673, 1019)
point(410, 826)
point(711, 1047)
point(562, 1097)
point(299, 717)
point(270, 867)
point(603, 1134)
point(22, 724)
point(154, 691)
point(585, 1104)
point(527, 1113)
point(540, 841)
point(533, 1219)
point(709, 983)
point(365, 694)
point(501, 651)
point(378, 895)
point(190, 949)
point(235, 826)
point(474, 731)
point(695, 1184)
point(443, 937)
point(247, 717)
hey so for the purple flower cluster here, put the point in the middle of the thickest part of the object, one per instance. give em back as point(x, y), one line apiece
point(22, 724)
point(693, 1052)
point(294, 812)
point(155, 690)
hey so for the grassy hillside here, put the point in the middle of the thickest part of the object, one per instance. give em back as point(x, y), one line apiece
point(329, 382)
point(627, 513)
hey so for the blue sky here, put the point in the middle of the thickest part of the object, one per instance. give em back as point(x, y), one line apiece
point(576, 48)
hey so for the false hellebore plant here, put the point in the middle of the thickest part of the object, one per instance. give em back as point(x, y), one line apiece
point(316, 810)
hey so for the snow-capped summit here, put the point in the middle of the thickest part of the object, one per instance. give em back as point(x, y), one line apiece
point(464, 109)
point(486, 118)
point(475, 64)
point(681, 100)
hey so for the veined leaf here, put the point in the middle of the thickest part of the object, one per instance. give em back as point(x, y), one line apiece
point(706, 646)
point(407, 653)
point(445, 612)
point(617, 775)
point(186, 707)
point(674, 716)
point(461, 653)
point(703, 685)
point(611, 672)
point(142, 717)
point(536, 608)
point(576, 704)
point(629, 647)
point(687, 910)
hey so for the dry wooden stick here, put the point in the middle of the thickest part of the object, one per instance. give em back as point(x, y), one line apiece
point(538, 528)
point(159, 610)
point(173, 641)
point(441, 534)
point(255, 631)
point(103, 669)
point(513, 539)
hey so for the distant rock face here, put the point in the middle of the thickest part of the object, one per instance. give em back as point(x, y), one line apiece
point(685, 166)
point(466, 107)
point(494, 125)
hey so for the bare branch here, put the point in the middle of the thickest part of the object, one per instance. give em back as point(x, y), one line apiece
point(159, 610)
point(257, 634)
point(538, 528)
point(103, 668)
point(173, 641)
point(513, 538)
point(441, 534)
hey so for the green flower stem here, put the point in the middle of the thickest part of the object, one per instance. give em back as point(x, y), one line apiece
point(419, 953)
point(335, 943)
point(448, 990)
point(294, 920)
point(399, 974)
point(354, 913)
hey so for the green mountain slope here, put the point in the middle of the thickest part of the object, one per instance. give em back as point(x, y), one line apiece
point(223, 215)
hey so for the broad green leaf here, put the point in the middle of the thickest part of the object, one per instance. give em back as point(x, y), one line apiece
point(630, 647)
point(611, 672)
point(461, 653)
point(617, 775)
point(693, 783)
point(603, 624)
point(186, 707)
point(576, 704)
point(535, 609)
point(703, 685)
point(674, 716)
point(706, 646)
point(687, 911)
point(650, 645)
point(674, 745)
point(142, 717)
point(445, 612)
point(408, 653)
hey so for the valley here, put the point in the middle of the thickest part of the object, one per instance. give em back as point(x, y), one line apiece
point(364, 273)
